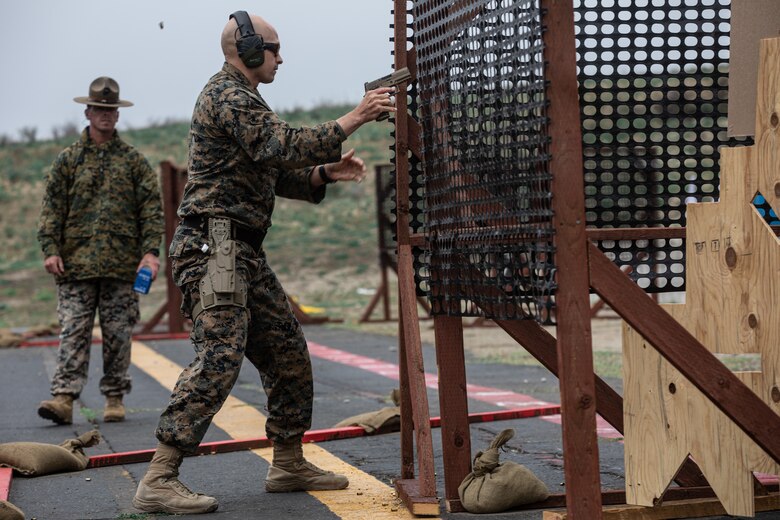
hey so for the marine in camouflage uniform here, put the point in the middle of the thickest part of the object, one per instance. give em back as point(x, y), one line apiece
point(101, 214)
point(241, 157)
point(238, 177)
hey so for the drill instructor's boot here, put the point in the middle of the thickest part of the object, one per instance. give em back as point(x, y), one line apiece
point(114, 410)
point(291, 472)
point(59, 409)
point(161, 492)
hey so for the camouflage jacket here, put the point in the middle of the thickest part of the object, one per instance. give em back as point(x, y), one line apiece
point(241, 156)
point(101, 210)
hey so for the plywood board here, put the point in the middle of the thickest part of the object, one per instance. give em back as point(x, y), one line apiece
point(733, 284)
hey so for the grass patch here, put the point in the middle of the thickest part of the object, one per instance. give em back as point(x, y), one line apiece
point(44, 295)
point(89, 414)
point(307, 244)
point(513, 356)
point(606, 364)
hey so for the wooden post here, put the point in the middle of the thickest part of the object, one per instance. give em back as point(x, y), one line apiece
point(453, 405)
point(172, 182)
point(575, 355)
point(420, 494)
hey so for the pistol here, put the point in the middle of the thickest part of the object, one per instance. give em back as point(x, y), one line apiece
point(391, 80)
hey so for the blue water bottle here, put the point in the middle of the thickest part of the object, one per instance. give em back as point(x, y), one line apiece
point(143, 280)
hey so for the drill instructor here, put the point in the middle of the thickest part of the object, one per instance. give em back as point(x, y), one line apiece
point(101, 221)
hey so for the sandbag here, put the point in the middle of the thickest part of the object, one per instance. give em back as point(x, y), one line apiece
point(8, 511)
point(41, 330)
point(493, 487)
point(10, 339)
point(387, 419)
point(32, 459)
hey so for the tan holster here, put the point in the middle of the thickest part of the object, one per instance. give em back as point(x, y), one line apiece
point(221, 286)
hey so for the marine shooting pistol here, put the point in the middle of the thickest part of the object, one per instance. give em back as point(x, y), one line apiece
point(391, 80)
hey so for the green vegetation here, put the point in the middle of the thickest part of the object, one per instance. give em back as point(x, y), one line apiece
point(321, 253)
point(608, 364)
point(89, 414)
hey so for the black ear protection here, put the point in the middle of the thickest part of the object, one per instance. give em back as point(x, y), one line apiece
point(251, 47)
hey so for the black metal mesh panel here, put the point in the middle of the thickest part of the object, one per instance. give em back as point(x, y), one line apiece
point(653, 80)
point(488, 215)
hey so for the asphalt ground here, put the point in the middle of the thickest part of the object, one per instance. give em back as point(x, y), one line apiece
point(236, 479)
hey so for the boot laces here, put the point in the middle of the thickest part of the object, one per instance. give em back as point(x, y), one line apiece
point(305, 464)
point(179, 486)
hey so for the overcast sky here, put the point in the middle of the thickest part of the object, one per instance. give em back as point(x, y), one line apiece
point(50, 50)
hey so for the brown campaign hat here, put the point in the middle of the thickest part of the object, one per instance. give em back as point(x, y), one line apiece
point(103, 92)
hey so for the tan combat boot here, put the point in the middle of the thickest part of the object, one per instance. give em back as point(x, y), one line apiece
point(114, 410)
point(161, 492)
point(291, 472)
point(59, 409)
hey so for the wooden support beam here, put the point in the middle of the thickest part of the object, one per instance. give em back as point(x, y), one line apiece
point(692, 508)
point(407, 421)
point(173, 179)
point(414, 393)
point(686, 354)
point(541, 344)
point(416, 501)
point(149, 326)
point(453, 403)
point(383, 225)
point(575, 354)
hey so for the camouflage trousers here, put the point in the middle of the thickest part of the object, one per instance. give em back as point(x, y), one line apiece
point(265, 332)
point(117, 307)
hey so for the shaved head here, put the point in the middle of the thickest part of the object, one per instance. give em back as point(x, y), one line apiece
point(230, 35)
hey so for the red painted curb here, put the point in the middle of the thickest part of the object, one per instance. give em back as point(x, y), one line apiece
point(505, 415)
point(162, 336)
point(330, 434)
point(5, 482)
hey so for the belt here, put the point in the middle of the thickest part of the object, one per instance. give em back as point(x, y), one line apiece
point(237, 231)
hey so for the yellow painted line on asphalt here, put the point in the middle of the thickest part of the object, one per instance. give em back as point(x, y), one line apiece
point(365, 498)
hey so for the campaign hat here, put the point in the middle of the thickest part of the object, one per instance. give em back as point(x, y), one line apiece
point(103, 92)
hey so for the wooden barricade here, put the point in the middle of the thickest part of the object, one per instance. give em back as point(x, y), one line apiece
point(732, 288)
point(688, 373)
